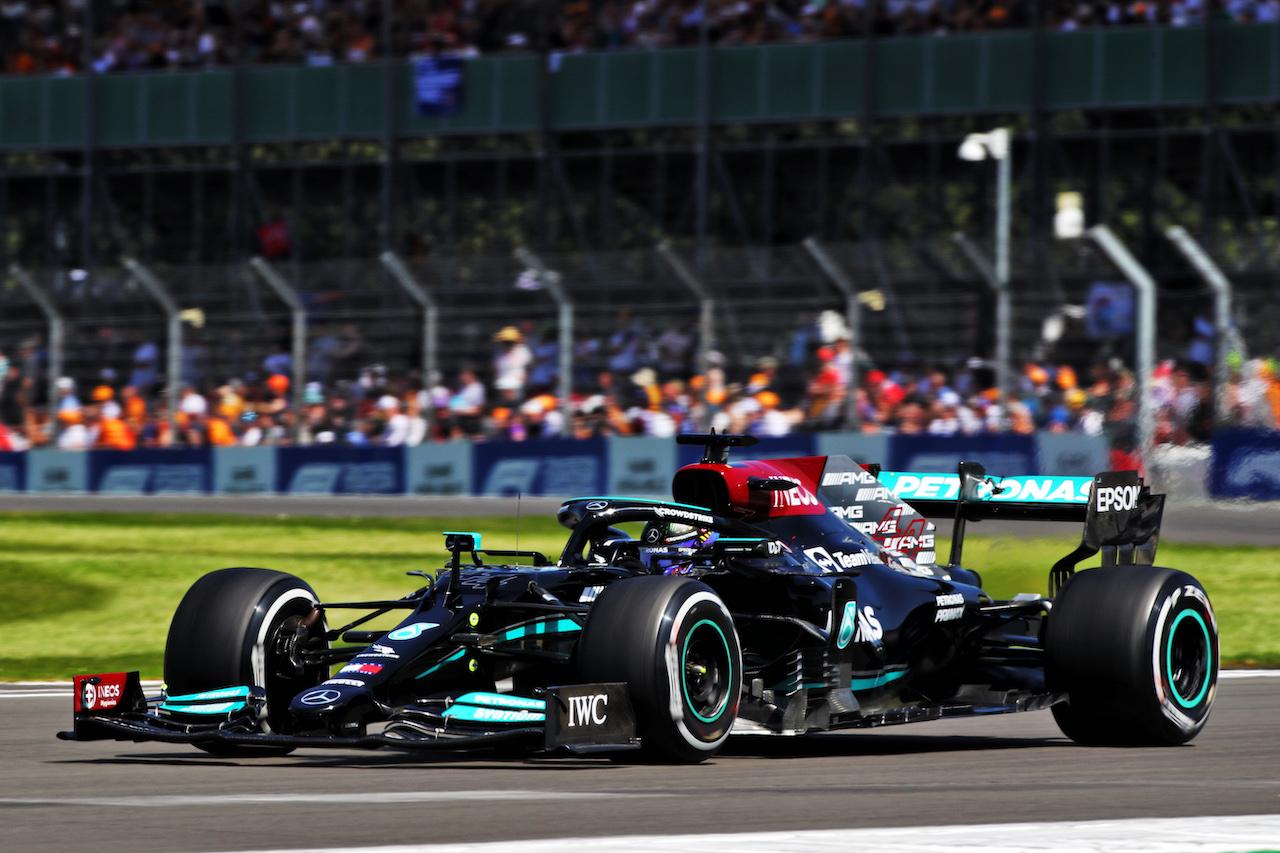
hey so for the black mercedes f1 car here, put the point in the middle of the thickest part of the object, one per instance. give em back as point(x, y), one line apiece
point(777, 596)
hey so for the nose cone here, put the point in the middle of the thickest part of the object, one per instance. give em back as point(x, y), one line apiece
point(333, 708)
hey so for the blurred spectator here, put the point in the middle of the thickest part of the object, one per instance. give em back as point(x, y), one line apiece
point(395, 431)
point(157, 35)
point(510, 364)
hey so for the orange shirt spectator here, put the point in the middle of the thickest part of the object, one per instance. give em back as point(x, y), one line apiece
point(219, 432)
point(135, 408)
point(113, 434)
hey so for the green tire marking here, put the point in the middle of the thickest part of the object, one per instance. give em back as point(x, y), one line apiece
point(684, 655)
point(1168, 659)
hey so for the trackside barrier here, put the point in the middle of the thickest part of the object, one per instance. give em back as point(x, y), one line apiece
point(638, 466)
point(151, 472)
point(13, 472)
point(328, 470)
point(1245, 464)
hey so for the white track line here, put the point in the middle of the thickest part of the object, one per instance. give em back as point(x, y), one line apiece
point(55, 689)
point(1148, 835)
point(363, 798)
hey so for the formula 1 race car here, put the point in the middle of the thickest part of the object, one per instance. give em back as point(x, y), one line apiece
point(779, 596)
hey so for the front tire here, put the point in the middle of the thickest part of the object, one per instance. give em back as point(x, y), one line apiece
point(1136, 650)
point(673, 642)
point(239, 627)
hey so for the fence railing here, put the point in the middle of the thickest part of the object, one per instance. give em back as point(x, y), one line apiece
point(629, 310)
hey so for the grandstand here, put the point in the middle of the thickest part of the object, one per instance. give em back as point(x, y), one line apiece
point(207, 140)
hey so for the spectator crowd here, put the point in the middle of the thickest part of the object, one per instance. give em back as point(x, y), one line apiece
point(633, 381)
point(47, 36)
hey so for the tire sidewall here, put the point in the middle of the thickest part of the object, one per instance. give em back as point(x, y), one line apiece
point(696, 610)
point(1181, 611)
point(639, 632)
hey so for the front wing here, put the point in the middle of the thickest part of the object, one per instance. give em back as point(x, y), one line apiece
point(573, 718)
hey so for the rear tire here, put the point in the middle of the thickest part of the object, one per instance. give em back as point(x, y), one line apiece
point(673, 642)
point(237, 627)
point(1136, 650)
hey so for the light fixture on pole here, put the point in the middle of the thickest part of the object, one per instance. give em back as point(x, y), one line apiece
point(996, 145)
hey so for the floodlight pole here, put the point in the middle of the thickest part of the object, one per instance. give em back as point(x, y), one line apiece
point(852, 316)
point(998, 145)
point(173, 318)
point(1211, 274)
point(552, 281)
point(706, 303)
point(430, 319)
point(1004, 311)
point(1145, 288)
point(57, 336)
point(290, 298)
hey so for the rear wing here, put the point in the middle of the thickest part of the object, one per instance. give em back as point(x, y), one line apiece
point(1121, 517)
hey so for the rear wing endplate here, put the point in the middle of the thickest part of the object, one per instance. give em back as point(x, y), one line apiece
point(1121, 517)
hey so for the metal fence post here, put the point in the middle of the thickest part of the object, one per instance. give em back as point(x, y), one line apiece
point(706, 302)
point(173, 317)
point(853, 316)
point(552, 280)
point(1146, 291)
point(290, 297)
point(1211, 274)
point(430, 320)
point(430, 312)
point(57, 337)
point(1004, 311)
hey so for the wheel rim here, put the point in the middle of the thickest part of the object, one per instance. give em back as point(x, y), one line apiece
point(707, 671)
point(1187, 658)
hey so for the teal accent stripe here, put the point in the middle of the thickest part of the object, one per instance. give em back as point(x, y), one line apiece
point(220, 695)
point(486, 714)
point(685, 654)
point(220, 709)
point(501, 700)
point(946, 487)
point(464, 533)
point(878, 681)
point(450, 659)
point(557, 626)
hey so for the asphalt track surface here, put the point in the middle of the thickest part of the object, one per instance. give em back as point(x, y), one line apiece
point(108, 796)
point(1244, 523)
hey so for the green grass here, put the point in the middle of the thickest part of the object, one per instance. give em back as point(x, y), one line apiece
point(94, 592)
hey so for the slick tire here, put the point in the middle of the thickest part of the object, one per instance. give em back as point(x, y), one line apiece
point(1135, 648)
point(238, 627)
point(673, 642)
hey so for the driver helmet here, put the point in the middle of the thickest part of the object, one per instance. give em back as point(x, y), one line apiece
point(670, 548)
